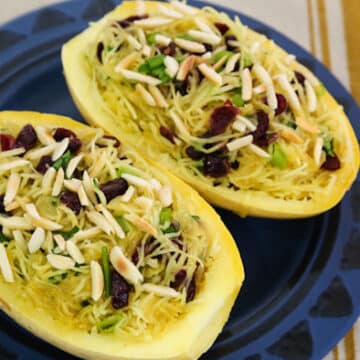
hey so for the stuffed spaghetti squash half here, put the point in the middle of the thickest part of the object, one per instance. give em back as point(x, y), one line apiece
point(104, 254)
point(219, 105)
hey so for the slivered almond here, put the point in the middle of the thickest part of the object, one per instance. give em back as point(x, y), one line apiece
point(185, 67)
point(155, 184)
point(124, 266)
point(115, 225)
point(126, 62)
point(60, 262)
point(158, 96)
point(152, 22)
point(247, 122)
point(132, 75)
point(73, 164)
point(136, 180)
point(44, 136)
point(59, 181)
point(48, 180)
point(132, 41)
point(98, 165)
point(12, 188)
point(247, 84)
point(291, 136)
point(162, 40)
point(239, 126)
point(318, 150)
point(16, 223)
point(231, 64)
point(146, 96)
point(89, 187)
point(205, 37)
point(239, 143)
point(178, 123)
point(262, 74)
point(310, 97)
point(258, 151)
point(290, 92)
point(271, 96)
point(172, 66)
point(141, 224)
point(191, 46)
point(100, 221)
point(74, 252)
point(5, 265)
point(205, 57)
point(183, 8)
point(12, 206)
point(220, 63)
point(36, 240)
point(60, 242)
point(210, 74)
point(97, 280)
point(84, 200)
point(60, 149)
point(13, 165)
point(128, 194)
point(146, 51)
point(165, 195)
point(140, 7)
point(167, 11)
point(160, 290)
point(86, 234)
point(305, 125)
point(11, 153)
point(39, 153)
point(203, 26)
point(259, 89)
point(38, 221)
point(72, 185)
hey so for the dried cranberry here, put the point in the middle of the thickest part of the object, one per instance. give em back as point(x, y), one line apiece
point(78, 174)
point(62, 133)
point(99, 51)
point(216, 166)
point(179, 278)
point(221, 118)
point(71, 200)
point(125, 23)
point(167, 134)
point(282, 104)
point(331, 163)
point(135, 256)
point(223, 28)
point(266, 140)
point(7, 142)
point(44, 163)
point(114, 188)
point(74, 145)
point(191, 290)
point(120, 290)
point(194, 154)
point(228, 40)
point(27, 137)
point(262, 126)
point(235, 165)
point(2, 206)
point(169, 50)
point(300, 78)
point(116, 141)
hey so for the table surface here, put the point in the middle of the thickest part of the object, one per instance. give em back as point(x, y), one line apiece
point(320, 26)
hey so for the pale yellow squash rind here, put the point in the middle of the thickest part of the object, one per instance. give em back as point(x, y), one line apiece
point(245, 203)
point(186, 338)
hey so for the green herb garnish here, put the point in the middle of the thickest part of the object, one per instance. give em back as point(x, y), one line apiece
point(125, 225)
point(278, 157)
point(246, 60)
point(3, 238)
point(218, 56)
point(196, 218)
point(328, 146)
point(152, 38)
point(108, 324)
point(106, 268)
point(63, 161)
point(57, 279)
point(71, 233)
point(165, 215)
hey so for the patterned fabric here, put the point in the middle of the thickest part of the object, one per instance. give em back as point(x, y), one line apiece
point(327, 28)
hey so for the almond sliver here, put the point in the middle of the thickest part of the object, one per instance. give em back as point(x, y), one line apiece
point(159, 290)
point(12, 187)
point(60, 262)
point(291, 136)
point(74, 252)
point(99, 220)
point(5, 265)
point(13, 165)
point(305, 125)
point(36, 240)
point(97, 280)
point(191, 46)
point(141, 224)
point(60, 149)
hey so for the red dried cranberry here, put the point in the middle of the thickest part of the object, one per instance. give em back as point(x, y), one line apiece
point(7, 142)
point(62, 133)
point(125, 23)
point(216, 166)
point(169, 50)
point(266, 140)
point(74, 145)
point(99, 51)
point(331, 163)
point(135, 256)
point(300, 78)
point(235, 165)
point(282, 104)
point(191, 290)
point(179, 278)
point(228, 40)
point(167, 134)
point(78, 174)
point(223, 28)
point(44, 163)
point(71, 200)
point(120, 290)
point(2, 206)
point(116, 141)
point(222, 117)
point(194, 154)
point(114, 188)
point(262, 126)
point(27, 137)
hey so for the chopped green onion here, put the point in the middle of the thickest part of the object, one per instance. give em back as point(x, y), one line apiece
point(165, 215)
point(108, 324)
point(106, 268)
point(145, 68)
point(170, 230)
point(328, 146)
point(221, 54)
point(96, 183)
point(120, 171)
point(71, 233)
point(238, 100)
point(278, 157)
point(152, 38)
point(63, 161)
point(196, 218)
point(156, 61)
point(125, 225)
point(57, 279)
point(247, 61)
point(54, 201)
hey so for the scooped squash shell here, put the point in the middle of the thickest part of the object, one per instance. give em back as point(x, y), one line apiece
point(185, 338)
point(245, 202)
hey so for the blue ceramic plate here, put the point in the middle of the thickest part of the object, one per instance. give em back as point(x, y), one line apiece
point(302, 291)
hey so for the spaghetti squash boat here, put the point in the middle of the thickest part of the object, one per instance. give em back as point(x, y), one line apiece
point(219, 105)
point(104, 254)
